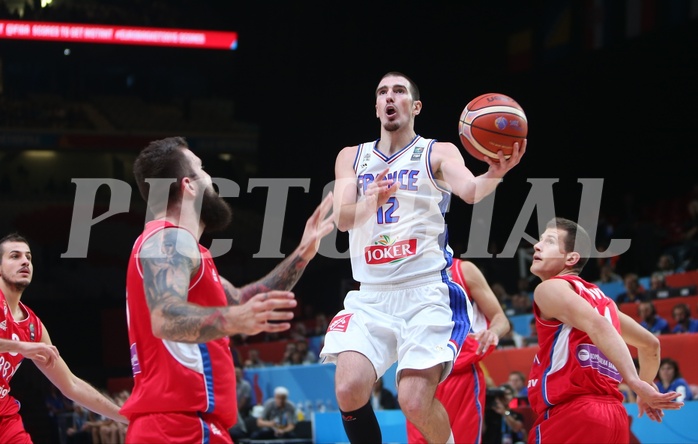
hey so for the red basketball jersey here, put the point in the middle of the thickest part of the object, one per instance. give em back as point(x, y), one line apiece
point(26, 330)
point(478, 323)
point(568, 364)
point(174, 376)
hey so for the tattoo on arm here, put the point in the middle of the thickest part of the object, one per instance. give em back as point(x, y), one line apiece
point(232, 294)
point(191, 323)
point(169, 260)
point(283, 277)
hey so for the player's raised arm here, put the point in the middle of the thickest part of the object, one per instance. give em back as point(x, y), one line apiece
point(287, 273)
point(449, 166)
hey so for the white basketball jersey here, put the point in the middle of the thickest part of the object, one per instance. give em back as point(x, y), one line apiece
point(407, 236)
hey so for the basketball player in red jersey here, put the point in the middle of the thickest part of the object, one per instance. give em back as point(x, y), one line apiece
point(463, 392)
point(23, 335)
point(583, 356)
point(181, 312)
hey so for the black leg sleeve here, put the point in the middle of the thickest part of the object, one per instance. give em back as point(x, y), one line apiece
point(362, 426)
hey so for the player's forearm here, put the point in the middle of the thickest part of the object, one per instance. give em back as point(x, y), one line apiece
point(648, 359)
point(647, 344)
point(475, 189)
point(87, 396)
point(7, 345)
point(499, 325)
point(611, 344)
point(353, 215)
point(283, 277)
point(185, 322)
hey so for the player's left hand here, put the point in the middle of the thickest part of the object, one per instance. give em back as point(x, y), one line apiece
point(485, 340)
point(319, 225)
point(39, 352)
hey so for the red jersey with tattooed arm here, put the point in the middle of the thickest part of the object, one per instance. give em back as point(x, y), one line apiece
point(172, 376)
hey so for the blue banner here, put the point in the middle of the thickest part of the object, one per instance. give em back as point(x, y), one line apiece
point(310, 386)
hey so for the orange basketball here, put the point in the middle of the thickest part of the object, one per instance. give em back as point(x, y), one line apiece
point(490, 123)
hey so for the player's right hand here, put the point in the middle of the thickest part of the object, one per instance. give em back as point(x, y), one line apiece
point(653, 403)
point(502, 165)
point(381, 189)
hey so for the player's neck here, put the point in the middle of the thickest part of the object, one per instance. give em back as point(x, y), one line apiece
point(393, 141)
point(12, 296)
point(182, 218)
point(568, 272)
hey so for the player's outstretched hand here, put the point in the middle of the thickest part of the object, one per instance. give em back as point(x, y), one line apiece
point(500, 168)
point(266, 312)
point(653, 403)
point(319, 225)
point(40, 353)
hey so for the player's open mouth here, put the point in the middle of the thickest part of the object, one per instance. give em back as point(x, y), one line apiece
point(390, 111)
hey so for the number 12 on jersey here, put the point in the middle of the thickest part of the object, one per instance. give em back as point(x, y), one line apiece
point(384, 215)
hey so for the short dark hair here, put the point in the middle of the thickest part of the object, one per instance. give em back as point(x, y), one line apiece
point(414, 90)
point(162, 159)
point(12, 237)
point(577, 239)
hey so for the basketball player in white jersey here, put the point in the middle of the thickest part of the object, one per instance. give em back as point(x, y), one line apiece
point(391, 194)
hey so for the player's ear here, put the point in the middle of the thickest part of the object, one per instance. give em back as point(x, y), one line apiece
point(572, 258)
point(417, 106)
point(186, 185)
